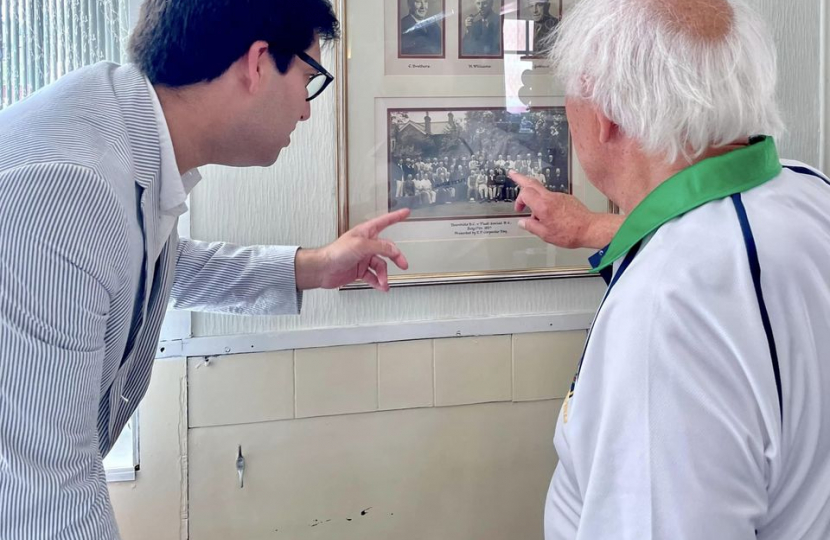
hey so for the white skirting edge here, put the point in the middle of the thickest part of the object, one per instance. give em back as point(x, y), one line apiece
point(382, 333)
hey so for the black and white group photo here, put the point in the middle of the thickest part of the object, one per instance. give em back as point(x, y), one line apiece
point(453, 163)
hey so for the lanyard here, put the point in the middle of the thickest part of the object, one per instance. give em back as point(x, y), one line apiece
point(617, 275)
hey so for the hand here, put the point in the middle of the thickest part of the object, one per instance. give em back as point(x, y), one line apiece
point(358, 254)
point(468, 22)
point(561, 219)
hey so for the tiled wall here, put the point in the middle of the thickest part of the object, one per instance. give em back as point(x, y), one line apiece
point(330, 432)
point(448, 438)
point(307, 383)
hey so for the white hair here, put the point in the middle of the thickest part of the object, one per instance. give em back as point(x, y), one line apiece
point(668, 85)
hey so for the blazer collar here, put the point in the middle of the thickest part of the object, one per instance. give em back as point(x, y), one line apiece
point(130, 88)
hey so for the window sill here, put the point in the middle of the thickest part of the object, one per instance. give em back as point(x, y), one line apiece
point(125, 474)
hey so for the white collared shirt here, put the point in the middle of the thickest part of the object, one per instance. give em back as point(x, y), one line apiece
point(173, 187)
point(673, 430)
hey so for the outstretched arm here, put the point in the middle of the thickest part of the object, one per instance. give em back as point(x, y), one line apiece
point(561, 219)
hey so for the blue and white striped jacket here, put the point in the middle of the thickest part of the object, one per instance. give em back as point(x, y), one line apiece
point(81, 305)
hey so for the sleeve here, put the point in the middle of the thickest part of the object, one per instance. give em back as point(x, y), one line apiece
point(62, 242)
point(672, 418)
point(224, 278)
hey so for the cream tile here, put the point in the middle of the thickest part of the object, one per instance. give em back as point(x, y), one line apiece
point(241, 388)
point(544, 364)
point(336, 380)
point(472, 370)
point(405, 375)
point(457, 473)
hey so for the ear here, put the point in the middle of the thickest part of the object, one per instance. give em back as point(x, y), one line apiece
point(607, 128)
point(252, 65)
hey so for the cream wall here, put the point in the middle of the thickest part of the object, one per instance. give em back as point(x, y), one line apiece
point(473, 472)
point(294, 202)
point(431, 439)
point(797, 26)
point(155, 505)
point(443, 438)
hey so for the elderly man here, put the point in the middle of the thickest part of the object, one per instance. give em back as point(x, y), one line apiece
point(482, 31)
point(700, 408)
point(420, 34)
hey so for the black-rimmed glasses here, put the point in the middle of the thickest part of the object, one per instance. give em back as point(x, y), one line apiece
point(319, 81)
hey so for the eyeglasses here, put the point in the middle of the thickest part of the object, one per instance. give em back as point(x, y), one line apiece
point(317, 82)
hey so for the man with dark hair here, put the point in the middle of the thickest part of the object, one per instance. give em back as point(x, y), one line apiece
point(94, 172)
point(510, 191)
point(501, 180)
point(409, 186)
point(396, 176)
point(420, 34)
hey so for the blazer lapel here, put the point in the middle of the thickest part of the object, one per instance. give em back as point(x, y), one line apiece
point(142, 127)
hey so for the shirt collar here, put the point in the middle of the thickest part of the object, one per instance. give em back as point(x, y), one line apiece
point(174, 187)
point(709, 180)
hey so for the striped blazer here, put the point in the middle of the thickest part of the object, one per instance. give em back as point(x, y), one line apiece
point(81, 302)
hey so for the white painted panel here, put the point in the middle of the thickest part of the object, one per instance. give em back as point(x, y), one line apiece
point(294, 202)
point(457, 473)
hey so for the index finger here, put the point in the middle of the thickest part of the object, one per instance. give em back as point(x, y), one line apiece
point(527, 197)
point(370, 247)
point(525, 182)
point(373, 227)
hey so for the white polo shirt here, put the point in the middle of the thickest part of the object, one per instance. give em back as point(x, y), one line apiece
point(675, 428)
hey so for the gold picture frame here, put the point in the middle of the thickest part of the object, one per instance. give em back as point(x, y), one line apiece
point(480, 107)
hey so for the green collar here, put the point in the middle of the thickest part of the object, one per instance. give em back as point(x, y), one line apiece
point(709, 180)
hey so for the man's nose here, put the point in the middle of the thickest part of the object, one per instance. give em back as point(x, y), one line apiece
point(307, 112)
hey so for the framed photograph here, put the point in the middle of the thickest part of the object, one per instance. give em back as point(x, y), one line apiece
point(541, 18)
point(438, 134)
point(480, 29)
point(421, 31)
point(452, 164)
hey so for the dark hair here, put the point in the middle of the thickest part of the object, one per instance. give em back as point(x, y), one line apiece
point(182, 42)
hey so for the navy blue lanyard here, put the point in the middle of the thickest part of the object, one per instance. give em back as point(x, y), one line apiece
point(755, 270)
